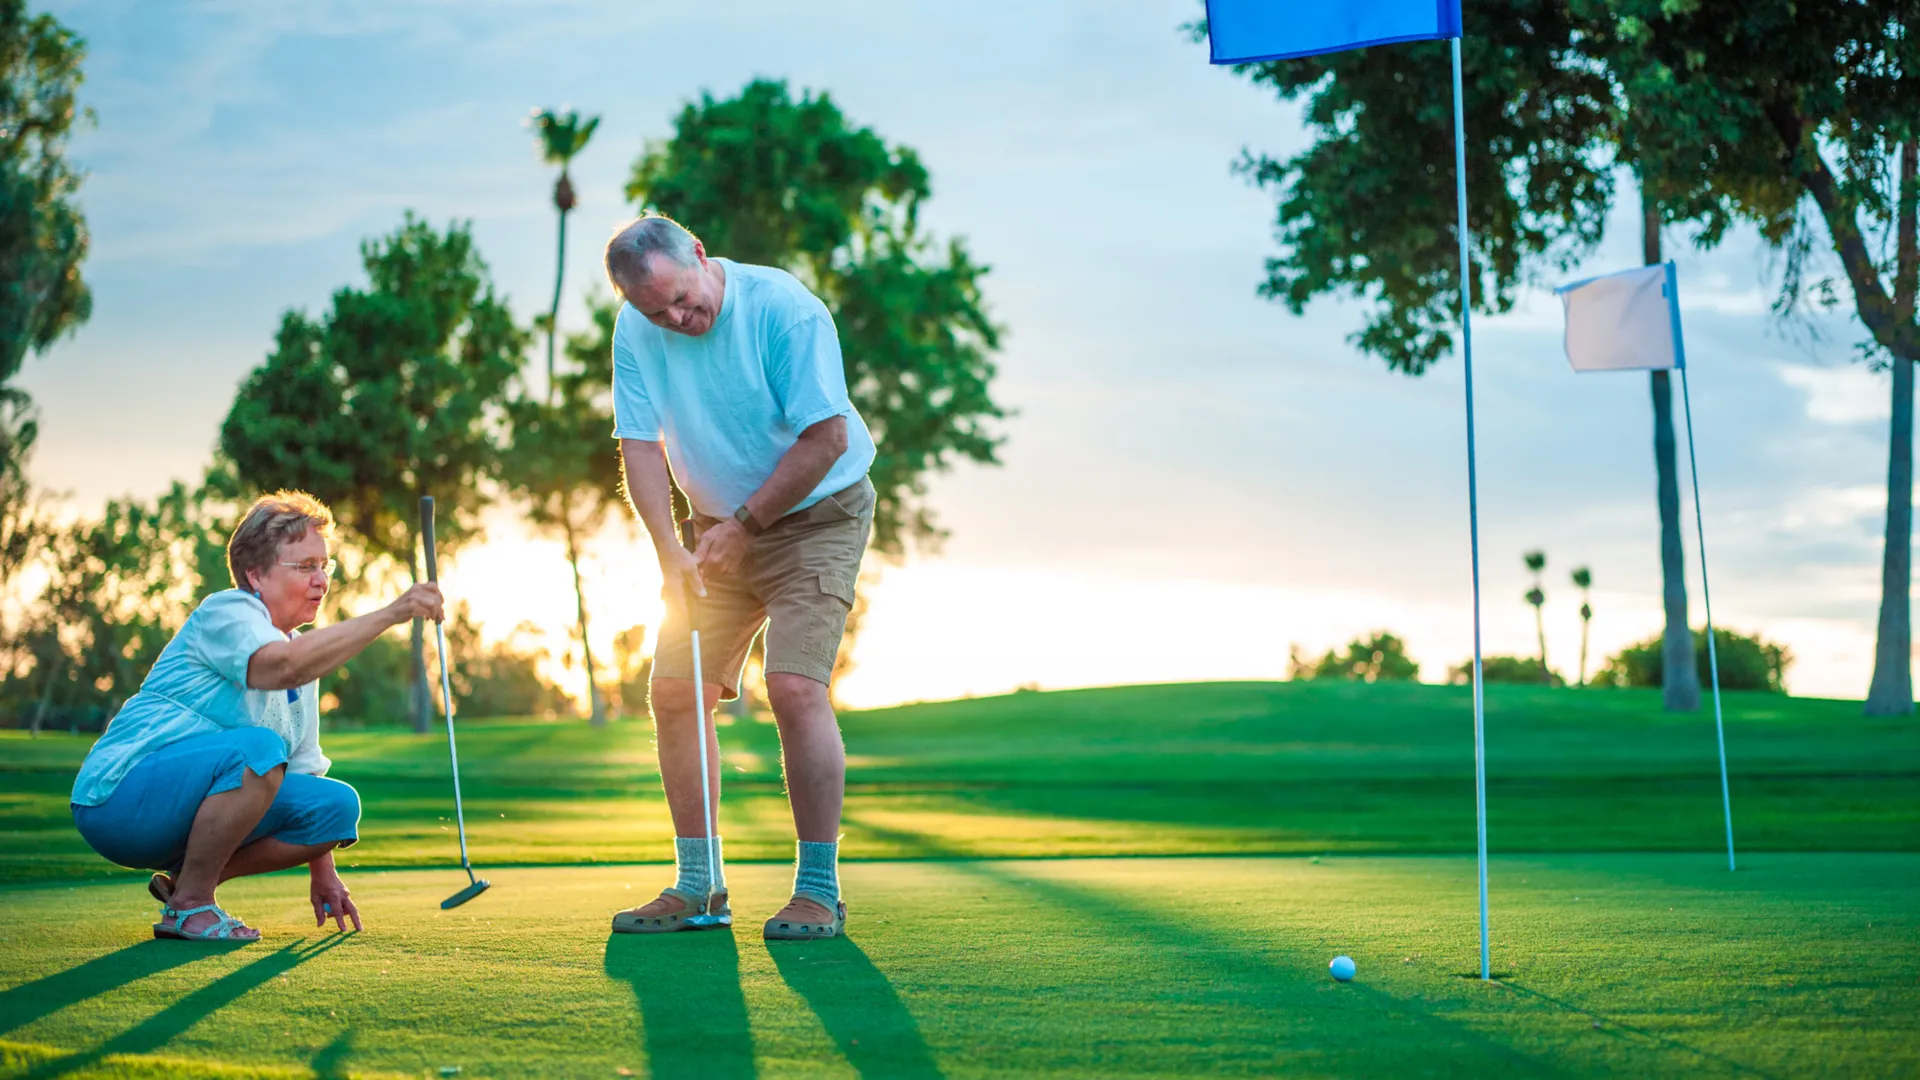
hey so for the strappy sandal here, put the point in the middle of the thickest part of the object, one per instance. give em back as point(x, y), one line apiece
point(221, 930)
point(694, 915)
point(779, 929)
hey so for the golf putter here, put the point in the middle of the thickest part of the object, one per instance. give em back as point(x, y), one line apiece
point(706, 918)
point(475, 886)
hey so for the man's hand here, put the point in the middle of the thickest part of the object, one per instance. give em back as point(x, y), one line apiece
point(679, 570)
point(330, 900)
point(723, 548)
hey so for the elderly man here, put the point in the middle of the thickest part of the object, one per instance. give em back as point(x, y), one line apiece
point(730, 375)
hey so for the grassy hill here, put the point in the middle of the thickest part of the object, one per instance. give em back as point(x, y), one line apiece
point(1230, 768)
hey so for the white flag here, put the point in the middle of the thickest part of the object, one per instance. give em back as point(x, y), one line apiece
point(1629, 321)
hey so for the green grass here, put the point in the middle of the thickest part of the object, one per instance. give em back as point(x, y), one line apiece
point(1799, 965)
point(1226, 769)
point(977, 949)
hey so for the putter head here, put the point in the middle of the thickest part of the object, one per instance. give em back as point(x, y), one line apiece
point(465, 894)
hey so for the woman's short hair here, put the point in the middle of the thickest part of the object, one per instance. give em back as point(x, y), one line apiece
point(638, 241)
point(273, 520)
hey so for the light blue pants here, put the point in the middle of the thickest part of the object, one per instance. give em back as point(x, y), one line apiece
point(145, 822)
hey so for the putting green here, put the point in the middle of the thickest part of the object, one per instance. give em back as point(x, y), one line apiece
point(1624, 964)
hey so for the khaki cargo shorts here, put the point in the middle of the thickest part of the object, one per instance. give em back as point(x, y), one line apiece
point(797, 581)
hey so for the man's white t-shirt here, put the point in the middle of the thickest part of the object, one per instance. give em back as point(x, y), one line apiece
point(731, 402)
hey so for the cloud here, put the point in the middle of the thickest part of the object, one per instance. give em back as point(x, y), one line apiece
point(1840, 395)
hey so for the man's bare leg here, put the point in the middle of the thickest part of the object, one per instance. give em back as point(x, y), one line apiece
point(221, 823)
point(815, 762)
point(678, 746)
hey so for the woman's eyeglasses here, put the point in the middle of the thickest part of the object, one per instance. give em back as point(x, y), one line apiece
point(312, 567)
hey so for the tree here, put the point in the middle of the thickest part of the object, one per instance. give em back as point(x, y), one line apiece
point(1747, 662)
point(117, 589)
point(1773, 113)
point(766, 179)
point(1583, 580)
point(1369, 209)
point(1378, 657)
point(1537, 598)
point(563, 453)
point(397, 392)
point(561, 461)
point(1505, 669)
point(43, 237)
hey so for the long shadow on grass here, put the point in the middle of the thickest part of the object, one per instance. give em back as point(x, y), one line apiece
point(1608, 1023)
point(1195, 963)
point(24, 1004)
point(857, 1005)
point(692, 1010)
point(157, 1030)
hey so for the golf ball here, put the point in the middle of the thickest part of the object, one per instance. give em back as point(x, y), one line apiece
point(1342, 968)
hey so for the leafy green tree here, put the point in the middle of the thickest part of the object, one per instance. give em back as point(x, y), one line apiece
point(1537, 598)
point(1506, 669)
point(1378, 657)
point(43, 237)
point(767, 179)
point(1368, 210)
point(1583, 580)
point(397, 392)
point(117, 588)
point(1798, 119)
point(561, 461)
point(1746, 662)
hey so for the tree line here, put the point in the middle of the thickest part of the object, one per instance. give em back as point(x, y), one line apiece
point(421, 379)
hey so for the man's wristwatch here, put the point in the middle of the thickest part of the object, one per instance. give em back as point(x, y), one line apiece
point(747, 521)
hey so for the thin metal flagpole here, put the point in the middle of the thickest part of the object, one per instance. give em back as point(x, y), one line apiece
point(1699, 524)
point(1473, 507)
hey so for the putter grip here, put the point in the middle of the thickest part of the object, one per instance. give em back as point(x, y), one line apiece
point(687, 595)
point(426, 536)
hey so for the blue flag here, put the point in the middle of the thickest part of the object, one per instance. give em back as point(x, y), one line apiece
point(1242, 31)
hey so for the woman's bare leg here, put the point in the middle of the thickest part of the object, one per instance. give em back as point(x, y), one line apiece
point(266, 855)
point(223, 821)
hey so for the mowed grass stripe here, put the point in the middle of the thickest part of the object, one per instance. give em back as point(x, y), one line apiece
point(1233, 768)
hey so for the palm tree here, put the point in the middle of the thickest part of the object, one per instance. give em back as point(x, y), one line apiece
point(1583, 580)
point(1537, 561)
point(562, 136)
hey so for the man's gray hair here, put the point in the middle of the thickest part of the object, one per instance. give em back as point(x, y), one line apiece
point(634, 244)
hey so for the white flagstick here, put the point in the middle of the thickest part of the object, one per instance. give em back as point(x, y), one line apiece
point(700, 731)
point(1699, 523)
point(1473, 508)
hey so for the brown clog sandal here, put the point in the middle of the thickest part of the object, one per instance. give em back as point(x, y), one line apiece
point(779, 929)
point(160, 887)
point(693, 916)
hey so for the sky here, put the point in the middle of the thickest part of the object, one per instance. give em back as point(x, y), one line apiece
point(1193, 480)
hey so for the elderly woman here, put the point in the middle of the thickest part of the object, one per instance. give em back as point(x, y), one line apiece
point(213, 770)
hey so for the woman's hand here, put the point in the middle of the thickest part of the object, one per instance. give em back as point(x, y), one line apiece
point(423, 601)
point(330, 900)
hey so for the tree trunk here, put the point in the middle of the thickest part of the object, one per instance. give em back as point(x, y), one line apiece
point(46, 694)
point(1540, 630)
point(1891, 691)
point(596, 704)
point(1680, 679)
point(1586, 623)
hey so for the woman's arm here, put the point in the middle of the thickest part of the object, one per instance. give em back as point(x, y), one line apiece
point(284, 665)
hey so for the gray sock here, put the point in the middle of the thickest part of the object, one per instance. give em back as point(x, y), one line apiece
point(695, 868)
point(818, 870)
